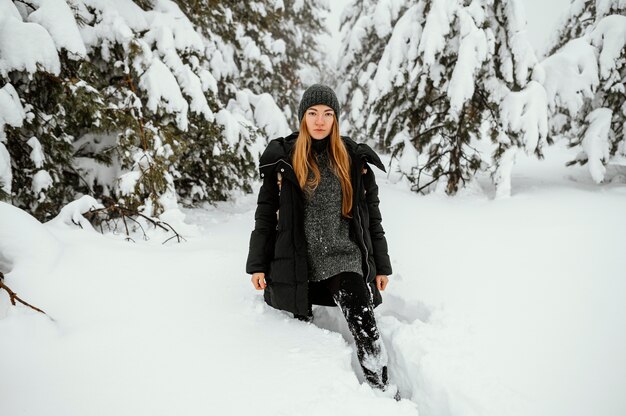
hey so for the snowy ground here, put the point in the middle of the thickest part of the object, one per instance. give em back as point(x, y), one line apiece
point(496, 307)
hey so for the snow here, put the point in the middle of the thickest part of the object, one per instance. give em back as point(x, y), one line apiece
point(6, 175)
point(278, 5)
point(573, 72)
point(209, 83)
point(57, 18)
point(278, 46)
point(298, 4)
point(127, 182)
point(92, 171)
point(8, 9)
point(603, 7)
point(252, 52)
point(503, 173)
point(230, 123)
point(570, 75)
point(41, 181)
point(409, 159)
point(24, 46)
point(487, 316)
point(11, 110)
point(192, 86)
point(610, 38)
point(171, 32)
point(166, 14)
point(115, 23)
point(268, 116)
point(544, 19)
point(521, 48)
point(357, 103)
point(437, 26)
point(36, 155)
point(525, 111)
point(404, 40)
point(596, 143)
point(125, 11)
point(163, 90)
point(12, 114)
point(261, 109)
point(22, 239)
point(72, 213)
point(218, 65)
point(472, 53)
point(384, 14)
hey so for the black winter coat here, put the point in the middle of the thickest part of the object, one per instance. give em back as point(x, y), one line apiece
point(278, 244)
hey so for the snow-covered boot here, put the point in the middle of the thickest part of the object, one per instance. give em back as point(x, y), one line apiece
point(380, 382)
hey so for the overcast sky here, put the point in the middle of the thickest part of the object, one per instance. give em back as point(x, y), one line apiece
point(542, 17)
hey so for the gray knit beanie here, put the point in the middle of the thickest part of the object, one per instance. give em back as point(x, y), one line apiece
point(318, 94)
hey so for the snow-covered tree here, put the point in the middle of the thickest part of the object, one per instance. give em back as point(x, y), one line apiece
point(122, 100)
point(584, 77)
point(580, 19)
point(265, 46)
point(451, 72)
point(37, 141)
point(365, 31)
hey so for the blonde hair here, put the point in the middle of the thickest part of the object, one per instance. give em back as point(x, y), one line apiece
point(304, 162)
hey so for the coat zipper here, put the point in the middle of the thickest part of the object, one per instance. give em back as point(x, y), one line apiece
point(363, 243)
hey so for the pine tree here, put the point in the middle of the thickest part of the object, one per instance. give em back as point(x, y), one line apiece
point(581, 18)
point(127, 107)
point(38, 141)
point(585, 76)
point(451, 73)
point(264, 46)
point(365, 31)
point(122, 95)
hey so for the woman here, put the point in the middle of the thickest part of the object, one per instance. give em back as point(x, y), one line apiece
point(318, 237)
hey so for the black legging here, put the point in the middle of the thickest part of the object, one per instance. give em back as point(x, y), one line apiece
point(352, 295)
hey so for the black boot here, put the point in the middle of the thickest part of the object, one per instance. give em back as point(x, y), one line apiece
point(396, 396)
point(376, 380)
point(381, 382)
point(303, 318)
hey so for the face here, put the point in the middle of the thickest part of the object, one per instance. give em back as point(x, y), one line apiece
point(319, 121)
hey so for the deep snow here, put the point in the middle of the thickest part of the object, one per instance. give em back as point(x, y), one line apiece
point(509, 306)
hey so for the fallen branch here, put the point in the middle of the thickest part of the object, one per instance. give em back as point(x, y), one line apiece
point(114, 212)
point(13, 296)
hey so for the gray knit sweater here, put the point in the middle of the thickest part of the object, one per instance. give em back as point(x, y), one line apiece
point(329, 248)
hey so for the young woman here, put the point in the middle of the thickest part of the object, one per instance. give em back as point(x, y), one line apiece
point(318, 237)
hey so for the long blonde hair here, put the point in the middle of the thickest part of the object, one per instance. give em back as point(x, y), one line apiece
point(303, 162)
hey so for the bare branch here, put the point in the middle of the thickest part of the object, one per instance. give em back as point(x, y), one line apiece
point(13, 297)
point(113, 213)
